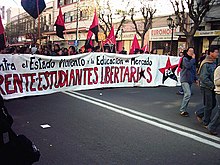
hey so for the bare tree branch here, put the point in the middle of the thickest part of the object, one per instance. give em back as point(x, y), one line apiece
point(189, 21)
point(147, 13)
point(107, 20)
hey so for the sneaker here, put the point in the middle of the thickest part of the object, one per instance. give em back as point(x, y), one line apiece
point(184, 114)
point(213, 133)
point(198, 118)
point(179, 93)
point(205, 126)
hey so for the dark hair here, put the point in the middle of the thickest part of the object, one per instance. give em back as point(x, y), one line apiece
point(96, 48)
point(212, 49)
point(185, 55)
point(185, 52)
point(136, 51)
point(152, 51)
point(189, 48)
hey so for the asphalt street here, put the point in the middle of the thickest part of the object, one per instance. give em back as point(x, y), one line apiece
point(125, 126)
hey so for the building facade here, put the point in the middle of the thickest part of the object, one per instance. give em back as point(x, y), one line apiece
point(78, 15)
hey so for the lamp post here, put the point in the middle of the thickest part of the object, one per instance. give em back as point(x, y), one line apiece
point(77, 25)
point(172, 24)
point(121, 33)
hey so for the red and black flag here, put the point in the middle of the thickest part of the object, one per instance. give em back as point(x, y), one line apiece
point(94, 27)
point(33, 7)
point(60, 27)
point(89, 43)
point(2, 36)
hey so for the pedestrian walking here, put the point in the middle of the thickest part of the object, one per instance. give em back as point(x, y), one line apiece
point(206, 77)
point(215, 122)
point(187, 77)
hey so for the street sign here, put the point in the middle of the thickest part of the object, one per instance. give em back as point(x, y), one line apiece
point(76, 43)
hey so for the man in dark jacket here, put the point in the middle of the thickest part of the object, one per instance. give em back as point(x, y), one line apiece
point(187, 77)
point(206, 76)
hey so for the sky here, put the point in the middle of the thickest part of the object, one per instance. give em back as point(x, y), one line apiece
point(17, 3)
point(13, 3)
point(163, 6)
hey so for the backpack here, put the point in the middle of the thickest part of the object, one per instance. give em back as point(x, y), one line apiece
point(19, 151)
point(6, 120)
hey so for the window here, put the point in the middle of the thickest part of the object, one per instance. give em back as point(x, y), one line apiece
point(60, 2)
point(67, 2)
point(49, 19)
point(31, 26)
point(74, 15)
point(41, 21)
point(45, 21)
point(84, 14)
point(69, 16)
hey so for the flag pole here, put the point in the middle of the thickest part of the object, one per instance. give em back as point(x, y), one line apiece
point(102, 46)
point(38, 21)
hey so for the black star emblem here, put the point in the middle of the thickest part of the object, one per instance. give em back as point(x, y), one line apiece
point(169, 71)
point(142, 74)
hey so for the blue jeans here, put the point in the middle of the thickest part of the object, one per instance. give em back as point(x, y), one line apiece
point(186, 97)
point(209, 102)
point(180, 90)
point(216, 119)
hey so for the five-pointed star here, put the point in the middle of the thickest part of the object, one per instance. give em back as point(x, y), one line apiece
point(142, 74)
point(169, 71)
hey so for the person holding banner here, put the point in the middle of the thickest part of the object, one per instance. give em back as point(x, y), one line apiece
point(187, 77)
point(72, 50)
point(123, 51)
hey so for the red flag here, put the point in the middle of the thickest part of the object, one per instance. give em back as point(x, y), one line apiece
point(60, 27)
point(179, 65)
point(94, 27)
point(111, 38)
point(135, 45)
point(145, 48)
point(1, 26)
point(2, 36)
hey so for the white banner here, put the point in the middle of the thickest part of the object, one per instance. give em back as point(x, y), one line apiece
point(26, 75)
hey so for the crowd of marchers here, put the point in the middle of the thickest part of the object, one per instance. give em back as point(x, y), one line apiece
point(205, 73)
point(57, 50)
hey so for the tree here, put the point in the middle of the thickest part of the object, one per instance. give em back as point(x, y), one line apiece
point(147, 13)
point(106, 18)
point(190, 14)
